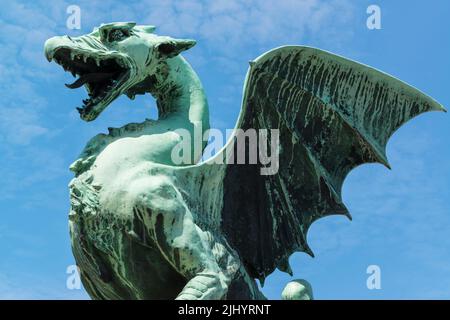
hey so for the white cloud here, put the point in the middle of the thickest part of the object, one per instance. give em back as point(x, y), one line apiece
point(231, 26)
point(228, 32)
point(19, 126)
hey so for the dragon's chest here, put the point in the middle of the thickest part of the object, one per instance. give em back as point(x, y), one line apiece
point(126, 156)
point(115, 260)
point(89, 223)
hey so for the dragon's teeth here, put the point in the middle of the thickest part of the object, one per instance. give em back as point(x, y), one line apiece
point(97, 62)
point(72, 55)
point(85, 59)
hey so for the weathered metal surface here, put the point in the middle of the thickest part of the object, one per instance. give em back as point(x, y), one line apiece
point(144, 227)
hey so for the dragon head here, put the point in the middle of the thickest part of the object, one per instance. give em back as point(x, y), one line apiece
point(116, 58)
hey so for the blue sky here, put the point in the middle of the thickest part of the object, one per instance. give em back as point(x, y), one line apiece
point(401, 217)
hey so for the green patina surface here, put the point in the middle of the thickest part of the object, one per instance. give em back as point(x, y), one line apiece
point(143, 227)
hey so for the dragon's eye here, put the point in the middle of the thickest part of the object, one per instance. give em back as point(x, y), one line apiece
point(117, 35)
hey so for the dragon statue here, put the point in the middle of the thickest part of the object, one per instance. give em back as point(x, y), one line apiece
point(145, 227)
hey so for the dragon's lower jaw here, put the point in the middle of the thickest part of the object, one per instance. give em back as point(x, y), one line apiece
point(99, 99)
point(103, 77)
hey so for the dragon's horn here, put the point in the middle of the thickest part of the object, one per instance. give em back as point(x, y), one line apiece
point(149, 29)
point(170, 47)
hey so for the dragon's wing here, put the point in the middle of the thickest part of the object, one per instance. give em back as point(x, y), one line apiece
point(333, 114)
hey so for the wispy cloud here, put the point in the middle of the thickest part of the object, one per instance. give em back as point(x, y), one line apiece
point(405, 202)
point(229, 32)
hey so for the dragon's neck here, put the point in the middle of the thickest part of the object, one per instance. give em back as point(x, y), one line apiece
point(181, 103)
point(179, 93)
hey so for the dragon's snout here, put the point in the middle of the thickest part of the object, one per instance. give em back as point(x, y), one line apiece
point(52, 44)
point(113, 59)
point(103, 72)
point(84, 44)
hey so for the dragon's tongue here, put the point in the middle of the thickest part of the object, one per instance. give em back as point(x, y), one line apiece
point(89, 77)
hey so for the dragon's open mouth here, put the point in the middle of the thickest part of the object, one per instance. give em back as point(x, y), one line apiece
point(102, 77)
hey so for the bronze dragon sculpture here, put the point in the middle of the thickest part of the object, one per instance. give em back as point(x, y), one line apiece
point(145, 227)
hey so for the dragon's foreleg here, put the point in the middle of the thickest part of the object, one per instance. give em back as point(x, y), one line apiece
point(201, 258)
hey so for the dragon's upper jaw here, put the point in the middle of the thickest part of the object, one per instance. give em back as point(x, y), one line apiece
point(104, 75)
